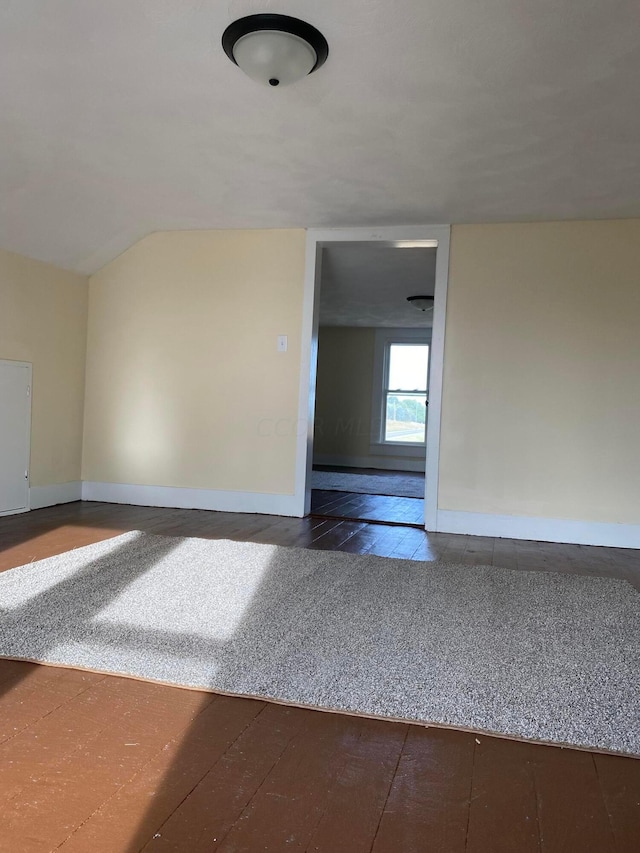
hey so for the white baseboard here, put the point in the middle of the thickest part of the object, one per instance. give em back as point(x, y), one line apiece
point(541, 529)
point(59, 493)
point(610, 535)
point(370, 462)
point(181, 498)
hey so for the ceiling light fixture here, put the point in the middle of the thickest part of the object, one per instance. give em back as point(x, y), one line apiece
point(422, 303)
point(274, 49)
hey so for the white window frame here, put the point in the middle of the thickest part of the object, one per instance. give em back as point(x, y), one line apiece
point(384, 339)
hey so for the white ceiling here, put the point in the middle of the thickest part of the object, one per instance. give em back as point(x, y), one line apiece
point(364, 285)
point(120, 118)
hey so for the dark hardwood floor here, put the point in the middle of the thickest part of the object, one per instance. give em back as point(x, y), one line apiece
point(102, 764)
point(353, 506)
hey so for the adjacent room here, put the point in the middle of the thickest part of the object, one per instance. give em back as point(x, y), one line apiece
point(374, 335)
point(319, 421)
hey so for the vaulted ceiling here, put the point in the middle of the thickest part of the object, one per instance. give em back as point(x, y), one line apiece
point(120, 118)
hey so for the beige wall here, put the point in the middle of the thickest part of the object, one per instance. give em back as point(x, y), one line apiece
point(43, 319)
point(184, 383)
point(343, 391)
point(541, 409)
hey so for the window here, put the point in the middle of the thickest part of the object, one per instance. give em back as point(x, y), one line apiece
point(405, 393)
point(400, 391)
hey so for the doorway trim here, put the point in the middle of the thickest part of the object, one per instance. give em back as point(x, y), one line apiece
point(410, 236)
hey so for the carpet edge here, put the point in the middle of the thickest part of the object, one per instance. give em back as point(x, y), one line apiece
point(327, 710)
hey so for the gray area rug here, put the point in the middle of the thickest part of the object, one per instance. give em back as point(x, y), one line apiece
point(401, 486)
point(536, 655)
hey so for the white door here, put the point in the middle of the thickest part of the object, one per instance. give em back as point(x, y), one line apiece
point(15, 418)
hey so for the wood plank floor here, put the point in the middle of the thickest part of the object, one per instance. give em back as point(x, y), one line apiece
point(353, 506)
point(103, 764)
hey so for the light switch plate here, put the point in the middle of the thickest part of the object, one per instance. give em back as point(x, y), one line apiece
point(282, 343)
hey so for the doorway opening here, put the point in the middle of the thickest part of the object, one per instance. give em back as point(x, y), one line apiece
point(371, 444)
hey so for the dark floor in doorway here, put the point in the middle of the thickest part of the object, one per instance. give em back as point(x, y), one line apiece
point(379, 508)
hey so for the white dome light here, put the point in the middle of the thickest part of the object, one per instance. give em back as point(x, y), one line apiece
point(422, 303)
point(274, 58)
point(275, 50)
